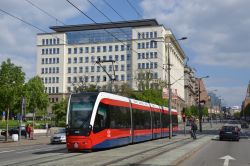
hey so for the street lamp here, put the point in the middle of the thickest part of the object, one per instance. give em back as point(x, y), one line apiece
point(169, 83)
point(199, 104)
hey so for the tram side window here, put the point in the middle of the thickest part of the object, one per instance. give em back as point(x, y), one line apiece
point(119, 117)
point(157, 123)
point(142, 119)
point(165, 120)
point(175, 120)
point(101, 118)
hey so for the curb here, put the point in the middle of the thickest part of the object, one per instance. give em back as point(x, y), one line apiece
point(187, 155)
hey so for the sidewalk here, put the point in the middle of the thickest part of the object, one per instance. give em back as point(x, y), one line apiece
point(39, 138)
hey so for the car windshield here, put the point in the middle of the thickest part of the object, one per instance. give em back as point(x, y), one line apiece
point(80, 109)
point(228, 128)
point(60, 131)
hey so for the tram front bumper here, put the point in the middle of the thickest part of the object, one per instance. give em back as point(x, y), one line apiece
point(77, 143)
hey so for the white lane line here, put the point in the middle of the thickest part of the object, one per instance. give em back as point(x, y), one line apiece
point(6, 151)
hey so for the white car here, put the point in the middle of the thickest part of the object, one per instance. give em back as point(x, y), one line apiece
point(59, 136)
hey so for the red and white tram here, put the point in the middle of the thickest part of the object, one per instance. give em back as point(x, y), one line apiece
point(97, 120)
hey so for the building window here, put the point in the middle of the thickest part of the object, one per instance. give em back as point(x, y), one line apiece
point(86, 69)
point(86, 49)
point(69, 69)
point(138, 45)
point(43, 41)
point(110, 57)
point(92, 68)
point(122, 67)
point(151, 65)
point(110, 48)
point(50, 51)
point(69, 79)
point(104, 78)
point(116, 77)
point(74, 79)
point(128, 46)
point(75, 59)
point(75, 69)
point(98, 48)
point(128, 77)
point(143, 35)
point(151, 34)
point(57, 79)
point(69, 60)
point(92, 49)
point(143, 45)
point(57, 91)
point(116, 58)
point(122, 47)
point(139, 35)
point(69, 50)
point(155, 65)
point(92, 79)
point(98, 79)
point(42, 51)
point(42, 60)
point(155, 75)
point(50, 41)
point(122, 58)
point(116, 48)
point(116, 67)
point(80, 50)
point(128, 57)
point(104, 49)
point(128, 67)
point(143, 56)
point(57, 40)
point(69, 89)
point(139, 65)
point(80, 69)
point(139, 56)
point(86, 59)
point(147, 35)
point(57, 69)
point(98, 69)
point(147, 65)
point(42, 71)
point(104, 68)
point(143, 66)
point(110, 67)
point(57, 50)
point(155, 34)
point(147, 55)
point(122, 78)
point(86, 78)
point(104, 58)
point(80, 59)
point(54, 41)
point(147, 44)
point(47, 41)
point(155, 54)
point(92, 59)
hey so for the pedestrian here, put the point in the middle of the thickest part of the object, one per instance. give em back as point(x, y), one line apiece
point(48, 127)
point(28, 130)
point(193, 128)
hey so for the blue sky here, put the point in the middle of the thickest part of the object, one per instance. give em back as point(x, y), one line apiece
point(218, 34)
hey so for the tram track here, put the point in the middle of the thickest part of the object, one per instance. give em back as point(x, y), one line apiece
point(150, 153)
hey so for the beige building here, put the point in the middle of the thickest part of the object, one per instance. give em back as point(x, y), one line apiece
point(66, 58)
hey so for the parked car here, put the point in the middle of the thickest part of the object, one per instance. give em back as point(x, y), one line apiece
point(244, 125)
point(59, 136)
point(230, 132)
point(15, 131)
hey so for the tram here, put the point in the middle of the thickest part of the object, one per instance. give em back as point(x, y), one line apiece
point(100, 120)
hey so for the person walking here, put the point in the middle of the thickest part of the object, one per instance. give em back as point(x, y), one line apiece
point(28, 130)
point(193, 128)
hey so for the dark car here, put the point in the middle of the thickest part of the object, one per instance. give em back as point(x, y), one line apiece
point(230, 132)
point(15, 131)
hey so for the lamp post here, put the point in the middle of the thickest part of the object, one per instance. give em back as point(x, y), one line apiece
point(199, 104)
point(169, 82)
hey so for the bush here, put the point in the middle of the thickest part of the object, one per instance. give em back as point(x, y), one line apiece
point(61, 124)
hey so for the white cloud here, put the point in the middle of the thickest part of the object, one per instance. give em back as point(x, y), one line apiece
point(18, 40)
point(217, 30)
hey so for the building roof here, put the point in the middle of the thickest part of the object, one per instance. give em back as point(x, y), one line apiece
point(119, 24)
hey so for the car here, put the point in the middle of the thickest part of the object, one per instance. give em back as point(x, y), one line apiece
point(244, 125)
point(230, 132)
point(59, 136)
point(15, 131)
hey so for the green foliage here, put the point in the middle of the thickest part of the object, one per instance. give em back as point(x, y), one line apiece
point(237, 115)
point(36, 98)
point(59, 110)
point(247, 110)
point(11, 84)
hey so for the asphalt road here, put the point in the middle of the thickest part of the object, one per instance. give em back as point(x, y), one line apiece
point(211, 153)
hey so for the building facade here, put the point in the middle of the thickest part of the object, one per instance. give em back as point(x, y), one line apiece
point(66, 58)
point(190, 84)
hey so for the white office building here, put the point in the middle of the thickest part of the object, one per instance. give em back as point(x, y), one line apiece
point(67, 57)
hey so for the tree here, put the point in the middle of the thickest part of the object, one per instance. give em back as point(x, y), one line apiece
point(36, 97)
point(247, 110)
point(11, 83)
point(59, 110)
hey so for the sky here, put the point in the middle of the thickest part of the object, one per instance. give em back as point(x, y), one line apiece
point(218, 33)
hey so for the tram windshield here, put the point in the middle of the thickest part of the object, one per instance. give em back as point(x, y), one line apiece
point(80, 109)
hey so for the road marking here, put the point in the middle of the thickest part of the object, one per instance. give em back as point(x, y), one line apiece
point(6, 151)
point(227, 158)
